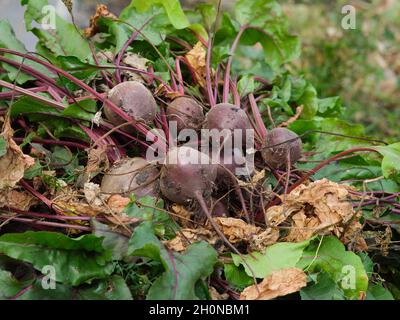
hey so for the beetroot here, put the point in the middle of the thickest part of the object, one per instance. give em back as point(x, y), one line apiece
point(228, 163)
point(226, 116)
point(229, 117)
point(131, 175)
point(134, 99)
point(279, 143)
point(182, 181)
point(186, 112)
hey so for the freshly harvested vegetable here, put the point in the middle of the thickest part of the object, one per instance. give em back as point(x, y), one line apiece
point(227, 116)
point(186, 174)
point(228, 164)
point(281, 146)
point(134, 99)
point(50, 113)
point(187, 112)
point(189, 175)
point(131, 175)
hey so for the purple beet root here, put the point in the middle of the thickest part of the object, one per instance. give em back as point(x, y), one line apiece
point(186, 174)
point(131, 175)
point(187, 113)
point(134, 99)
point(279, 143)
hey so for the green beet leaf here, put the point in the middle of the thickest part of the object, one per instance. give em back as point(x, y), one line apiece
point(277, 256)
point(329, 255)
point(182, 270)
point(75, 261)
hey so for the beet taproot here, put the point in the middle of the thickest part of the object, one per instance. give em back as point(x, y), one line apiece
point(187, 113)
point(185, 173)
point(227, 116)
point(188, 175)
point(279, 143)
point(131, 175)
point(134, 99)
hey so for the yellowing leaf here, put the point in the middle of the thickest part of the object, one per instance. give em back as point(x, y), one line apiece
point(197, 60)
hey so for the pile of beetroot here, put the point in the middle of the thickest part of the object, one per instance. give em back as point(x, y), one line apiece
point(188, 176)
point(138, 113)
point(130, 109)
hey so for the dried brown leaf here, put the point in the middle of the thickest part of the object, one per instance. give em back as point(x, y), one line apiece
point(21, 200)
point(78, 208)
point(188, 236)
point(93, 194)
point(258, 176)
point(215, 295)
point(14, 163)
point(117, 203)
point(260, 241)
point(101, 11)
point(197, 60)
point(299, 110)
point(135, 61)
point(236, 230)
point(279, 283)
point(97, 161)
point(182, 216)
point(322, 206)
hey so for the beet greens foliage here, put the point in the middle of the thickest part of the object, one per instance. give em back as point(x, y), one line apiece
point(52, 106)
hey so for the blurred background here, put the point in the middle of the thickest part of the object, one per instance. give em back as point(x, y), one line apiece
point(361, 65)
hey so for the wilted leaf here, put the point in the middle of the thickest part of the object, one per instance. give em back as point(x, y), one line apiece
point(197, 60)
point(322, 206)
point(182, 215)
point(78, 208)
point(93, 194)
point(117, 203)
point(215, 295)
point(135, 61)
point(263, 239)
point(185, 237)
point(97, 161)
point(14, 162)
point(278, 283)
point(236, 230)
point(101, 11)
point(21, 200)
